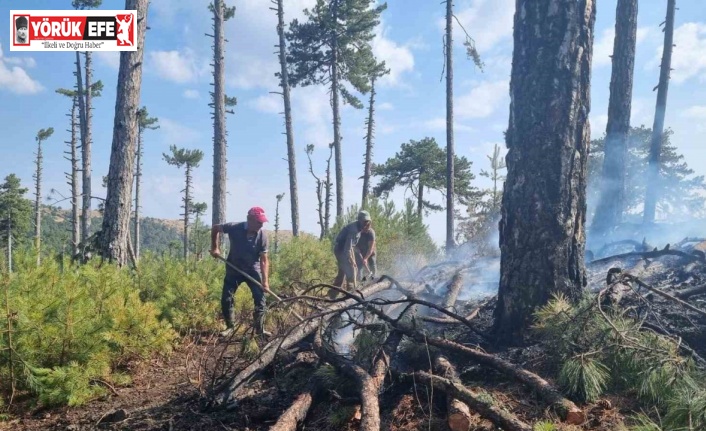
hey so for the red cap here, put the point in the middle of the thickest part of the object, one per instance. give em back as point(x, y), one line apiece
point(258, 214)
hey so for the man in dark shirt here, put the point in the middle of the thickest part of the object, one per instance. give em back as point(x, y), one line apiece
point(344, 250)
point(365, 255)
point(248, 253)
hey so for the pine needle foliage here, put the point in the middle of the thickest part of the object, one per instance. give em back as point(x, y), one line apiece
point(544, 426)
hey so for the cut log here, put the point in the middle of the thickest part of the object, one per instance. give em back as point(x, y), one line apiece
point(449, 321)
point(226, 395)
point(457, 413)
point(693, 291)
point(454, 289)
point(370, 420)
point(295, 414)
point(500, 417)
point(566, 409)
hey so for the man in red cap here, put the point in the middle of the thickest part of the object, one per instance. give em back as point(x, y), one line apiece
point(248, 253)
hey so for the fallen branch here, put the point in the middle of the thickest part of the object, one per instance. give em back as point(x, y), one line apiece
point(295, 414)
point(693, 291)
point(651, 255)
point(502, 418)
point(454, 289)
point(449, 321)
point(458, 415)
point(659, 292)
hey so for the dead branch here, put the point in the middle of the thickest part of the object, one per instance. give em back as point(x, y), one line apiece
point(651, 255)
point(693, 291)
point(295, 414)
point(502, 418)
point(663, 294)
point(445, 320)
point(458, 416)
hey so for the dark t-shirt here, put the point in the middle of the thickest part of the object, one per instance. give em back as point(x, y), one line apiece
point(365, 241)
point(347, 238)
point(245, 250)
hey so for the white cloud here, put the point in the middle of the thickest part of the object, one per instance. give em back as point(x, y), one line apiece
point(269, 103)
point(27, 62)
point(180, 67)
point(175, 133)
point(483, 99)
point(399, 59)
point(488, 22)
point(603, 47)
point(439, 123)
point(385, 106)
point(689, 55)
point(15, 79)
point(313, 110)
point(109, 58)
point(696, 113)
point(191, 94)
point(642, 112)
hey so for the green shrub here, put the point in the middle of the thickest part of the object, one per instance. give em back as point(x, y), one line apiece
point(302, 260)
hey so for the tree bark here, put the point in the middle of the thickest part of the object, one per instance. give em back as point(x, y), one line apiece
point(187, 208)
point(336, 117)
point(85, 155)
point(87, 174)
point(75, 224)
point(449, 129)
point(611, 205)
point(420, 196)
point(291, 156)
point(652, 192)
point(454, 290)
point(295, 414)
point(542, 233)
point(369, 145)
point(497, 415)
point(38, 204)
point(138, 178)
point(9, 243)
point(219, 116)
point(327, 207)
point(115, 229)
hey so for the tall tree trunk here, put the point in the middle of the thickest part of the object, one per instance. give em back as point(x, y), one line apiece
point(609, 211)
point(369, 145)
point(116, 218)
point(9, 243)
point(138, 178)
point(420, 199)
point(652, 192)
point(542, 235)
point(38, 204)
point(336, 117)
point(85, 155)
point(219, 116)
point(187, 208)
point(75, 225)
point(87, 148)
point(450, 152)
point(291, 157)
point(327, 209)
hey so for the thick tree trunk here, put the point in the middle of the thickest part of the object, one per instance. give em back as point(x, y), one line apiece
point(87, 175)
point(187, 209)
point(295, 414)
point(420, 198)
point(291, 157)
point(336, 117)
point(116, 218)
point(138, 178)
point(75, 224)
point(38, 204)
point(369, 145)
point(609, 211)
point(449, 128)
point(85, 155)
point(652, 192)
point(542, 233)
point(219, 116)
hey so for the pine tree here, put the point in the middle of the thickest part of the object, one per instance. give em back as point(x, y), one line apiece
point(42, 136)
point(376, 73)
point(144, 122)
point(15, 214)
point(331, 48)
point(200, 238)
point(189, 159)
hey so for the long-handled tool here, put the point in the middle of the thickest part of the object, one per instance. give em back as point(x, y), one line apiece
point(246, 275)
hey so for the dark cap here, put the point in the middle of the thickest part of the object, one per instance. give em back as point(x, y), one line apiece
point(21, 22)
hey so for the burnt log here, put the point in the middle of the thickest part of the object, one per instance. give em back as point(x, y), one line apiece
point(295, 414)
point(458, 415)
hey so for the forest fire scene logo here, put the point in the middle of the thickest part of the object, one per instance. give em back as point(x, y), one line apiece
point(73, 30)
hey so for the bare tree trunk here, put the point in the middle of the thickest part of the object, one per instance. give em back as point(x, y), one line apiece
point(327, 210)
point(187, 208)
point(219, 116)
point(336, 117)
point(420, 199)
point(449, 128)
point(85, 154)
point(291, 157)
point(609, 211)
point(369, 145)
point(38, 204)
point(9, 243)
point(75, 225)
point(87, 190)
point(542, 235)
point(138, 178)
point(652, 192)
point(116, 218)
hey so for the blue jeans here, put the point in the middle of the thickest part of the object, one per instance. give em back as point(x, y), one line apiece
point(230, 285)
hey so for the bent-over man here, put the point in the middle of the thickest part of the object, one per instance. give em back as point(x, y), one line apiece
point(344, 251)
point(248, 253)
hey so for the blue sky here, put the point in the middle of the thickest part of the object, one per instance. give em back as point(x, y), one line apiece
point(411, 101)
